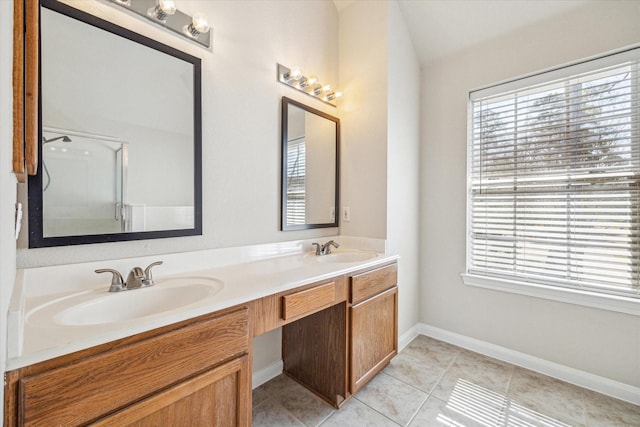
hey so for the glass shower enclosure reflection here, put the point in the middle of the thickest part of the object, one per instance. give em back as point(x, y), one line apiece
point(84, 183)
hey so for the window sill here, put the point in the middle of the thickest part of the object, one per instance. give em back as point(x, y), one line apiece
point(571, 296)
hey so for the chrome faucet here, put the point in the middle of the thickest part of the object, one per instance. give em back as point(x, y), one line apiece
point(326, 248)
point(136, 279)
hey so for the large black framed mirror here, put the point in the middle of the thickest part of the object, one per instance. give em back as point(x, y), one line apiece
point(120, 137)
point(310, 167)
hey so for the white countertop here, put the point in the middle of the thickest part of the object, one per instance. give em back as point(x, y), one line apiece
point(31, 342)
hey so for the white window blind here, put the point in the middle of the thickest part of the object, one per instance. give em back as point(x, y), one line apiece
point(554, 178)
point(296, 181)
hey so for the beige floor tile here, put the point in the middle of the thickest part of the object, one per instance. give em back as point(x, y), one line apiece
point(392, 398)
point(410, 368)
point(604, 411)
point(270, 413)
point(432, 352)
point(259, 396)
point(356, 413)
point(436, 412)
point(518, 415)
point(467, 390)
point(548, 397)
point(303, 404)
point(472, 370)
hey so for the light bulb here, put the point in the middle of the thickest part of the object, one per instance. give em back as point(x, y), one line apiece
point(326, 88)
point(313, 79)
point(199, 24)
point(338, 94)
point(162, 9)
point(303, 83)
point(296, 73)
point(167, 6)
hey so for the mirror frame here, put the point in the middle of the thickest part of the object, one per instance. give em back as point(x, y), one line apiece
point(286, 102)
point(36, 229)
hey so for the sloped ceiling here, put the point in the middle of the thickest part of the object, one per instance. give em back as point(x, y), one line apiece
point(440, 28)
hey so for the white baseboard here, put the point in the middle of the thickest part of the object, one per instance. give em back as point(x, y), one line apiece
point(580, 378)
point(407, 337)
point(267, 373)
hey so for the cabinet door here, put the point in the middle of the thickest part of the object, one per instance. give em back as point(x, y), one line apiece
point(374, 336)
point(87, 389)
point(219, 397)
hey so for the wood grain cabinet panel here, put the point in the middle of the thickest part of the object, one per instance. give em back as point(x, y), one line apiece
point(314, 352)
point(276, 310)
point(370, 283)
point(215, 398)
point(374, 336)
point(86, 390)
point(308, 301)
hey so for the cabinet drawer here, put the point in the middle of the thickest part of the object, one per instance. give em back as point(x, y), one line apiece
point(308, 301)
point(82, 391)
point(373, 282)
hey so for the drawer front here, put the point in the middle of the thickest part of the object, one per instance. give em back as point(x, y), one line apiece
point(373, 282)
point(308, 301)
point(83, 391)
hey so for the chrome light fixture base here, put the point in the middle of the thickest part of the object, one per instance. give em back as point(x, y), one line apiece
point(308, 85)
point(178, 22)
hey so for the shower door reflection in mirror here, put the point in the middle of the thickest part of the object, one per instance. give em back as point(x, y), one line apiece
point(84, 183)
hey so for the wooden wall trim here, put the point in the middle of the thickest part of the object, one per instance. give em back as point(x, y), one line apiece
point(18, 90)
point(32, 21)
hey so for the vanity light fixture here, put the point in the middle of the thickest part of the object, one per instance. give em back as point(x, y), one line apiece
point(294, 78)
point(166, 14)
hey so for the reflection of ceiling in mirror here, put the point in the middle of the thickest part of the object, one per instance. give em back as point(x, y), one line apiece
point(90, 81)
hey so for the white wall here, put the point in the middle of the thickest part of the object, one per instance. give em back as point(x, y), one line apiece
point(592, 340)
point(380, 77)
point(241, 119)
point(7, 179)
point(403, 147)
point(363, 114)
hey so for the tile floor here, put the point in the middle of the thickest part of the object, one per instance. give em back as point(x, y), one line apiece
point(432, 383)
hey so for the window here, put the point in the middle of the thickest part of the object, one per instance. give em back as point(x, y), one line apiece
point(296, 181)
point(554, 180)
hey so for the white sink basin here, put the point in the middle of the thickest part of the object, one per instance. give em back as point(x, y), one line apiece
point(102, 307)
point(345, 257)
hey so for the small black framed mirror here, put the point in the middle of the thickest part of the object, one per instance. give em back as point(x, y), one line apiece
point(310, 167)
point(120, 135)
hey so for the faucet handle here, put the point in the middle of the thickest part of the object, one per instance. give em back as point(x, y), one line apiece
point(326, 248)
point(148, 276)
point(117, 284)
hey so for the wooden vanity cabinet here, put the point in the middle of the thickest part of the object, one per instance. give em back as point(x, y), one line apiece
point(373, 319)
point(191, 373)
point(336, 351)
